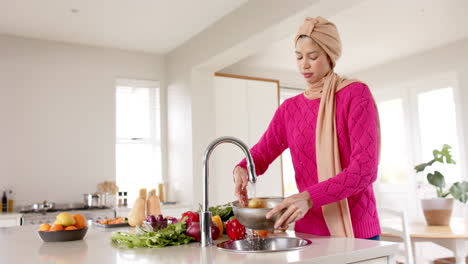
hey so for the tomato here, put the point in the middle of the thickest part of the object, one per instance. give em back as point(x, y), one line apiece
point(235, 230)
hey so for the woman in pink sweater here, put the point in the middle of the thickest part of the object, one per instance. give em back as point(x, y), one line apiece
point(332, 131)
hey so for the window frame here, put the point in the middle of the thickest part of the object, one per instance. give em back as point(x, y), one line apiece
point(155, 117)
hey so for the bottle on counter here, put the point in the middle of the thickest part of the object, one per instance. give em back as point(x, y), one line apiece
point(10, 204)
point(125, 202)
point(4, 202)
point(120, 200)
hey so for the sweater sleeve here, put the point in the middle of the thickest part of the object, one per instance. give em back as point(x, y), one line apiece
point(271, 144)
point(363, 126)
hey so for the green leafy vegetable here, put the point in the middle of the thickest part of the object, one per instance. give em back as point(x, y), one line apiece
point(172, 235)
point(224, 211)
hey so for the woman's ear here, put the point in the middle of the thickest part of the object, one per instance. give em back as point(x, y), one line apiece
point(329, 62)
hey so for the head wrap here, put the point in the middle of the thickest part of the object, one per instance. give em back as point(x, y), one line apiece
point(324, 33)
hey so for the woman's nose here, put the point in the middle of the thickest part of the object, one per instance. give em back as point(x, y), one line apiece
point(306, 65)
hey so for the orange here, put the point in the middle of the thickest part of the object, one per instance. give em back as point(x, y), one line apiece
point(56, 228)
point(80, 221)
point(44, 227)
point(71, 228)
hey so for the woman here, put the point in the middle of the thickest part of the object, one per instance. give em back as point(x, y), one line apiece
point(332, 131)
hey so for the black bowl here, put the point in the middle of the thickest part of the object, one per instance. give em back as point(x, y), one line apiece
point(60, 236)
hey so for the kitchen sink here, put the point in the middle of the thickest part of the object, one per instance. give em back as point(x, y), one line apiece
point(268, 244)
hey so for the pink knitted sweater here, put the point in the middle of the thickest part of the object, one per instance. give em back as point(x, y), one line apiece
point(293, 126)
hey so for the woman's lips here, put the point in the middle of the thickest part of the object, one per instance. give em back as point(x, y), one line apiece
point(307, 74)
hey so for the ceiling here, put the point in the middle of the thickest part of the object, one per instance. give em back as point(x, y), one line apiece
point(155, 26)
point(378, 31)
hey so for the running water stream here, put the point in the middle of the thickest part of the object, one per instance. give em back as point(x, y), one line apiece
point(253, 239)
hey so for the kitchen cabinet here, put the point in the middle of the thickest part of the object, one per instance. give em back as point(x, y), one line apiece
point(10, 219)
point(243, 109)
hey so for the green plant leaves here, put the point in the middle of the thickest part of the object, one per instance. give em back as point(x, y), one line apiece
point(459, 191)
point(439, 155)
point(436, 179)
point(420, 167)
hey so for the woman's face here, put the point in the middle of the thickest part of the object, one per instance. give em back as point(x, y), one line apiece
point(312, 61)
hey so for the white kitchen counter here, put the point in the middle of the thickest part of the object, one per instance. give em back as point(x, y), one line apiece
point(10, 215)
point(23, 245)
point(10, 219)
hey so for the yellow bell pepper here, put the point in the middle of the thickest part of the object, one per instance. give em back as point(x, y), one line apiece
point(217, 220)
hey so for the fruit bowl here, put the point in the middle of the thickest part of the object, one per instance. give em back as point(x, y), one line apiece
point(65, 235)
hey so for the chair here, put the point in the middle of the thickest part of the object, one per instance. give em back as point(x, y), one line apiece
point(397, 233)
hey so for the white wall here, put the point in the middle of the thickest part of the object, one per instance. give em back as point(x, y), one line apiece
point(57, 115)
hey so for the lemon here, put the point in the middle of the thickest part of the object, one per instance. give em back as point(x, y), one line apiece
point(64, 219)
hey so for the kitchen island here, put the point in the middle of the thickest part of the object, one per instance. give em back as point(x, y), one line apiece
point(23, 245)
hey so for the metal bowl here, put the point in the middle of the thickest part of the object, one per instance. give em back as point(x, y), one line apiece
point(270, 244)
point(254, 218)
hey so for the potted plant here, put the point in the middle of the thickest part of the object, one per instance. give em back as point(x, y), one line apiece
point(437, 211)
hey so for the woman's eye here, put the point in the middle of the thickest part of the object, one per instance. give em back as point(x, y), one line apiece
point(299, 58)
point(314, 58)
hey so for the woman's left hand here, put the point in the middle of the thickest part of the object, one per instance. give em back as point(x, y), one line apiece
point(297, 206)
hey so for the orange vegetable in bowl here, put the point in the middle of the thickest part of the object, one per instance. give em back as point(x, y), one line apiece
point(261, 233)
point(71, 228)
point(80, 221)
point(56, 228)
point(44, 227)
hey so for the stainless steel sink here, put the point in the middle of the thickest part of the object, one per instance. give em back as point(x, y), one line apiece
point(268, 244)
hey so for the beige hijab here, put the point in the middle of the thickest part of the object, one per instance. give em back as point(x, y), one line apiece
point(325, 34)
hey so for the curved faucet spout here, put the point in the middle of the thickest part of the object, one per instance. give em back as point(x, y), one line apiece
point(205, 221)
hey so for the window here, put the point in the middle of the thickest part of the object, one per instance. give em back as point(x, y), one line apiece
point(289, 175)
point(393, 165)
point(433, 125)
point(416, 118)
point(138, 136)
point(438, 126)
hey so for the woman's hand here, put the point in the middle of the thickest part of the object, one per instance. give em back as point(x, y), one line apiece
point(297, 206)
point(241, 179)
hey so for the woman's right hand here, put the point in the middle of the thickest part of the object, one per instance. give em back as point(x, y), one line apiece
point(241, 179)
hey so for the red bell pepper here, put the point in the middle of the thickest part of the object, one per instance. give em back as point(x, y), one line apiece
point(190, 217)
point(235, 230)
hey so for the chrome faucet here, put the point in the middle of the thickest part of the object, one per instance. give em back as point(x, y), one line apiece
point(205, 215)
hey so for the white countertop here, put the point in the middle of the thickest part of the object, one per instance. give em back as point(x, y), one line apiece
point(23, 245)
point(10, 215)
